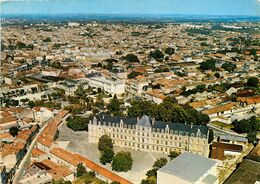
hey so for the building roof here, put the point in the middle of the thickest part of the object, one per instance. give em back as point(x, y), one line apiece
point(75, 159)
point(218, 149)
point(209, 179)
point(56, 171)
point(233, 138)
point(188, 166)
point(144, 121)
point(147, 122)
point(221, 108)
point(248, 172)
point(37, 152)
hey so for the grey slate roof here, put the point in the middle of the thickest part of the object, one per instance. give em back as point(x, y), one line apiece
point(144, 121)
point(234, 138)
point(188, 166)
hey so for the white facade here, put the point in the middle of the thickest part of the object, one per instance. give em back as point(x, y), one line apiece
point(108, 85)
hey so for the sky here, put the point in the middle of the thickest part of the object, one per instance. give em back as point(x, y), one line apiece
point(186, 7)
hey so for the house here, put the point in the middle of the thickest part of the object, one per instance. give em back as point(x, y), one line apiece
point(220, 150)
point(188, 168)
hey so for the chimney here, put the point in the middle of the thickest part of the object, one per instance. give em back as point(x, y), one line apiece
point(153, 121)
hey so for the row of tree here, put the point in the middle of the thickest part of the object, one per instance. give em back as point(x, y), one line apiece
point(167, 111)
point(250, 126)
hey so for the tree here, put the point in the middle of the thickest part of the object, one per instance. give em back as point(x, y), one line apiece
point(233, 97)
point(14, 131)
point(77, 123)
point(157, 54)
point(173, 155)
point(81, 170)
point(107, 156)
point(159, 163)
point(211, 136)
point(169, 51)
point(208, 64)
point(105, 142)
point(149, 180)
point(31, 104)
point(228, 66)
point(253, 82)
point(133, 74)
point(151, 172)
point(217, 75)
point(114, 105)
point(122, 161)
point(252, 136)
point(200, 88)
point(132, 58)
point(48, 39)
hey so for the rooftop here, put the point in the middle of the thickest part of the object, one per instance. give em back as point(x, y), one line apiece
point(188, 166)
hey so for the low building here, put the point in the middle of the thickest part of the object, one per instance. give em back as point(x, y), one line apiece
point(188, 168)
point(220, 150)
point(233, 140)
point(146, 134)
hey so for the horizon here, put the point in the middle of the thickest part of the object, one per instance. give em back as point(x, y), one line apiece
point(230, 8)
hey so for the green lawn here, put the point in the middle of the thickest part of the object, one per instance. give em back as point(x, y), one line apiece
point(224, 125)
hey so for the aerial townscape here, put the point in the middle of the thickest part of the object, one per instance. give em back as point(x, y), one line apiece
point(112, 99)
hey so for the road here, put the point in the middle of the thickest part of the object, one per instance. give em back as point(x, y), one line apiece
point(26, 159)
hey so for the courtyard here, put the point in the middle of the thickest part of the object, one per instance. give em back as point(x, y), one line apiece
point(78, 143)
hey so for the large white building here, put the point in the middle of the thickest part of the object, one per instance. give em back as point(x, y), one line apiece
point(146, 134)
point(188, 168)
point(113, 86)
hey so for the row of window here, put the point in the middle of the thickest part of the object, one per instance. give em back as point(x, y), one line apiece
point(162, 131)
point(149, 147)
point(173, 138)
